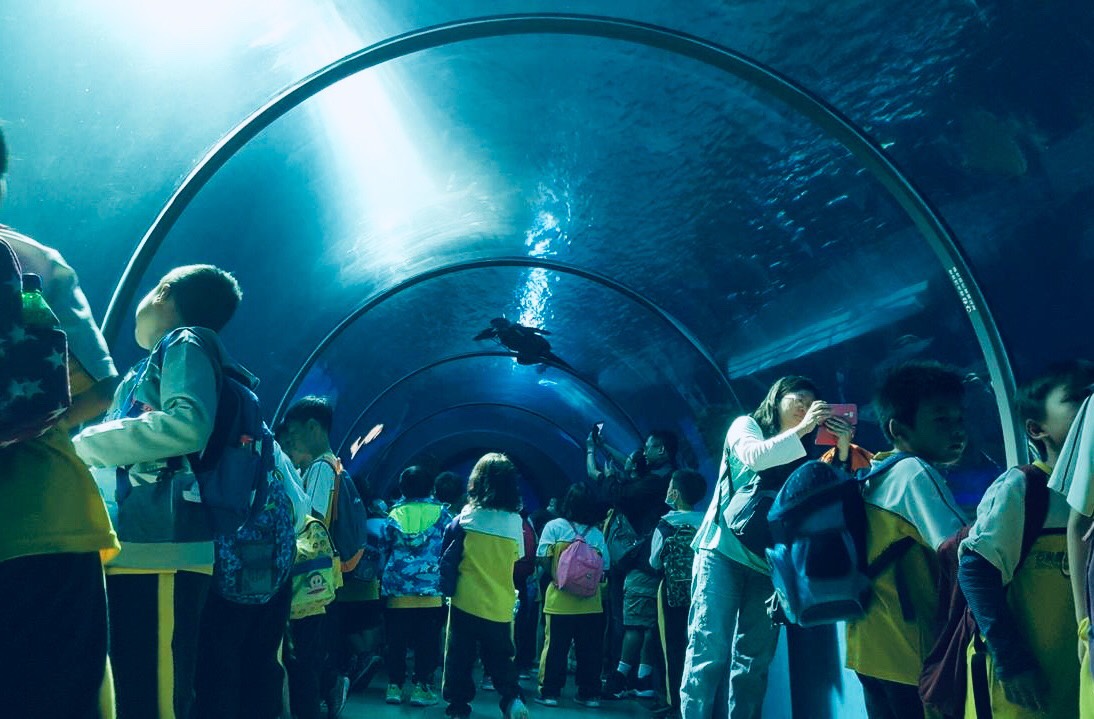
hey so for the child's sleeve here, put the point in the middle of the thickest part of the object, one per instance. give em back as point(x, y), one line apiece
point(656, 543)
point(599, 544)
point(67, 300)
point(745, 440)
point(546, 539)
point(1073, 475)
point(319, 484)
point(996, 535)
point(181, 426)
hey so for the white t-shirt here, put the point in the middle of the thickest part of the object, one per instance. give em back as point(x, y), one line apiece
point(1073, 475)
point(1000, 518)
point(560, 530)
point(319, 486)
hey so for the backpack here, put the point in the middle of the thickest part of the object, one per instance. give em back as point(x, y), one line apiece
point(371, 565)
point(676, 561)
point(34, 371)
point(348, 518)
point(315, 573)
point(943, 681)
point(580, 567)
point(241, 491)
point(818, 562)
point(622, 539)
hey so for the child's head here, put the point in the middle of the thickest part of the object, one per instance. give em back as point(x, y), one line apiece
point(785, 405)
point(686, 489)
point(449, 488)
point(304, 434)
point(416, 482)
point(1048, 404)
point(580, 506)
point(190, 296)
point(494, 483)
point(919, 406)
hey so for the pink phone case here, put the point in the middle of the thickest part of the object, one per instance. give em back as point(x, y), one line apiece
point(848, 412)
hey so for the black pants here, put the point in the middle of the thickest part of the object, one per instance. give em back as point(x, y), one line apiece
point(673, 624)
point(417, 628)
point(890, 700)
point(142, 607)
point(306, 662)
point(526, 627)
point(613, 614)
point(53, 636)
point(239, 675)
point(586, 633)
point(469, 635)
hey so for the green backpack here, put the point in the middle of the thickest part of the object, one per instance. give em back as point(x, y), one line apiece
point(676, 559)
point(317, 573)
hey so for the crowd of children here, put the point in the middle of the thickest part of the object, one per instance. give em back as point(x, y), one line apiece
point(455, 572)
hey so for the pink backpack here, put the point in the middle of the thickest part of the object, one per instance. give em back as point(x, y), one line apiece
point(580, 567)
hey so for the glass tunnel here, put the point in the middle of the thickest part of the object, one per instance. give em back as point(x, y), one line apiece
point(693, 199)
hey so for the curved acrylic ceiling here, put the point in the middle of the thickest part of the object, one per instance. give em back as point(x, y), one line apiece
point(426, 236)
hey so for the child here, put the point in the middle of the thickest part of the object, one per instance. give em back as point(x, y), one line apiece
point(305, 436)
point(1024, 609)
point(167, 552)
point(919, 408)
point(484, 543)
point(671, 556)
point(572, 619)
point(414, 616)
point(57, 534)
point(450, 490)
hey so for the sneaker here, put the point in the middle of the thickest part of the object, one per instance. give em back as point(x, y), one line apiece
point(517, 710)
point(528, 673)
point(546, 701)
point(394, 694)
point(365, 672)
point(644, 687)
point(488, 683)
point(590, 703)
point(452, 711)
point(615, 686)
point(336, 699)
point(423, 696)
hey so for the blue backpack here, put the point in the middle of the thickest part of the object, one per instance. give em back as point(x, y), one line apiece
point(818, 562)
point(248, 508)
point(348, 521)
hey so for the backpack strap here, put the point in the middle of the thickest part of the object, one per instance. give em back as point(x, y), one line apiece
point(336, 465)
point(574, 527)
point(889, 557)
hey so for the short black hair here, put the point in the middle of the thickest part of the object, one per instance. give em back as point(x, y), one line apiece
point(579, 505)
point(205, 295)
point(310, 407)
point(1030, 400)
point(415, 482)
point(908, 385)
point(449, 488)
point(3, 154)
point(667, 440)
point(691, 485)
point(494, 483)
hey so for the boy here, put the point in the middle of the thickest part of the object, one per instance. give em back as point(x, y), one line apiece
point(159, 416)
point(671, 556)
point(305, 435)
point(414, 617)
point(919, 407)
point(1024, 609)
point(1073, 477)
point(57, 535)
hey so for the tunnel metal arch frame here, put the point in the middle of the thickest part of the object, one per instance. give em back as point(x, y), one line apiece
point(474, 355)
point(489, 262)
point(922, 213)
point(381, 456)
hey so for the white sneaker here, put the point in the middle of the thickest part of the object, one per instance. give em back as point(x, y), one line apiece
point(517, 710)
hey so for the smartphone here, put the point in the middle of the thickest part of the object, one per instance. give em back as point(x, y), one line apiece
point(848, 412)
point(599, 428)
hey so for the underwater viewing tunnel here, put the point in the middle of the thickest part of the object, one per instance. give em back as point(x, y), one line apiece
point(690, 199)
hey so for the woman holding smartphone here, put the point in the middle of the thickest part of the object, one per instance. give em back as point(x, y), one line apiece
point(731, 581)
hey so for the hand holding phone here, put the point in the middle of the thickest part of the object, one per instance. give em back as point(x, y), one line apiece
point(846, 412)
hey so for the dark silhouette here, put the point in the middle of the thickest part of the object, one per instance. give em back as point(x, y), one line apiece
point(528, 343)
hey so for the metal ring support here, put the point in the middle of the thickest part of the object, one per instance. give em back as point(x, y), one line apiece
point(474, 355)
point(927, 220)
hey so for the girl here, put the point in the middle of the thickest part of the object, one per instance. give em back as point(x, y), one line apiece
point(481, 546)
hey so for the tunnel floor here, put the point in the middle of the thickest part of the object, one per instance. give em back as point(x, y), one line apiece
point(370, 705)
